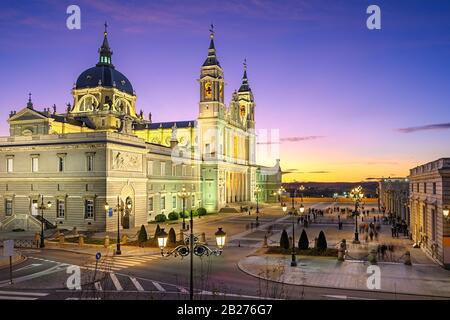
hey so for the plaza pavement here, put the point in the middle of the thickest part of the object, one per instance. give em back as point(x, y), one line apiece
point(423, 277)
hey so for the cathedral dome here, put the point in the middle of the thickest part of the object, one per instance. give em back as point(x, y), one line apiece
point(105, 76)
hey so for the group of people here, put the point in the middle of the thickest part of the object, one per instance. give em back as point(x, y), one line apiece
point(370, 230)
point(399, 226)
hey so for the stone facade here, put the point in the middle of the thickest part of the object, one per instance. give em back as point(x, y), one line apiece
point(394, 197)
point(429, 195)
point(101, 151)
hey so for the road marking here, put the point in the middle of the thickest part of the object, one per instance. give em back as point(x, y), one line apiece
point(98, 286)
point(16, 298)
point(136, 284)
point(158, 286)
point(36, 294)
point(115, 281)
point(182, 290)
point(29, 266)
point(346, 297)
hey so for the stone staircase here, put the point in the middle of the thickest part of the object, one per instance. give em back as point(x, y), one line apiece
point(20, 221)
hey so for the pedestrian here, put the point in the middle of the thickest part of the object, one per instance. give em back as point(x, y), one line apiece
point(371, 234)
point(393, 231)
point(298, 220)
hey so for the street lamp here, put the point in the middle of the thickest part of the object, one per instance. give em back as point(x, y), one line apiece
point(119, 210)
point(192, 246)
point(446, 212)
point(42, 207)
point(257, 191)
point(356, 195)
point(293, 261)
point(279, 192)
point(183, 194)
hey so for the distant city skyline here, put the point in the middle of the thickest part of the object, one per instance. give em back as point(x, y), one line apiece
point(348, 103)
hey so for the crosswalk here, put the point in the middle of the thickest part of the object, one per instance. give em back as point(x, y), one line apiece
point(116, 263)
point(21, 295)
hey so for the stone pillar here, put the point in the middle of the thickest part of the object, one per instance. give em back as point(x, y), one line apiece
point(106, 245)
point(61, 239)
point(81, 240)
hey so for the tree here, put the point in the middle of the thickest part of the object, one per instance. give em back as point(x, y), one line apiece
point(201, 211)
point(303, 242)
point(322, 242)
point(284, 240)
point(172, 237)
point(142, 237)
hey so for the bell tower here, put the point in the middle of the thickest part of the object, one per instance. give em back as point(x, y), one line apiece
point(211, 84)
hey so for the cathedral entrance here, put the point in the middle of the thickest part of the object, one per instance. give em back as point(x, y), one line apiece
point(128, 217)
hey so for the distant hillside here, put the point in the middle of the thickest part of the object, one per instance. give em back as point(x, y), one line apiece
point(328, 189)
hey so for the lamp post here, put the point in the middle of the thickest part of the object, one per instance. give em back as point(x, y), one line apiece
point(356, 195)
point(192, 246)
point(279, 192)
point(42, 207)
point(257, 191)
point(183, 194)
point(119, 210)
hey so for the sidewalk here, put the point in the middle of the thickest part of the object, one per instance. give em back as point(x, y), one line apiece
point(92, 249)
point(418, 279)
point(17, 258)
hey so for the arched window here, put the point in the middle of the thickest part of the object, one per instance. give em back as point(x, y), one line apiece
point(87, 103)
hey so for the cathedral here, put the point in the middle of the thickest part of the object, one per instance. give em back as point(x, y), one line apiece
point(101, 150)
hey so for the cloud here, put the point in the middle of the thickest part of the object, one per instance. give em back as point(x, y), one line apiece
point(291, 139)
point(296, 139)
point(437, 126)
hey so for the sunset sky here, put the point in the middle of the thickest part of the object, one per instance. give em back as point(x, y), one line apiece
point(348, 103)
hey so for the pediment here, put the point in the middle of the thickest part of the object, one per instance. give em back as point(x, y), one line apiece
point(27, 114)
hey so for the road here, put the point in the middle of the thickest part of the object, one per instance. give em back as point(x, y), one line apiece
point(44, 275)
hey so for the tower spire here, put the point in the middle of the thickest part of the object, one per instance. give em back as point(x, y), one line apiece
point(105, 51)
point(211, 60)
point(29, 103)
point(245, 87)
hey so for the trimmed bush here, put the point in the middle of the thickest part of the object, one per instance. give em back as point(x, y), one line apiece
point(303, 242)
point(284, 240)
point(322, 242)
point(201, 211)
point(142, 237)
point(157, 230)
point(173, 216)
point(160, 218)
point(185, 214)
point(172, 240)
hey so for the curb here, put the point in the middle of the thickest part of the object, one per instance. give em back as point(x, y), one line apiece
point(19, 260)
point(93, 254)
point(242, 269)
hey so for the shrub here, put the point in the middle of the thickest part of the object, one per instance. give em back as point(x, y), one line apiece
point(157, 230)
point(185, 215)
point(173, 216)
point(172, 240)
point(303, 242)
point(160, 217)
point(201, 211)
point(284, 240)
point(142, 237)
point(322, 242)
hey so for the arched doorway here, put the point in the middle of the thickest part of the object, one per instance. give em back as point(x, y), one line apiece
point(128, 217)
point(127, 196)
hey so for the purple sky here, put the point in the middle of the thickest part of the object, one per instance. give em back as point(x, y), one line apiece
point(349, 103)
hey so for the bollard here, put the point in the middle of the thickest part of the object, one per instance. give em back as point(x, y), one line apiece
point(106, 241)
point(372, 255)
point(341, 251)
point(265, 242)
point(204, 238)
point(81, 240)
point(61, 239)
point(408, 258)
point(124, 239)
